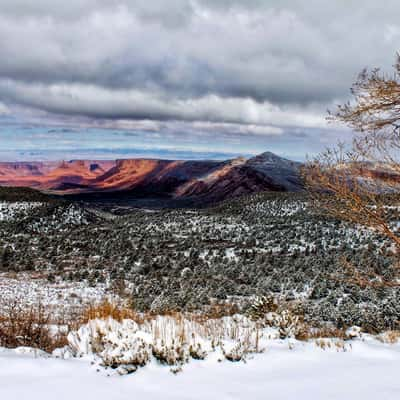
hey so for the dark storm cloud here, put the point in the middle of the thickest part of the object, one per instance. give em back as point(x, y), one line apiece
point(256, 62)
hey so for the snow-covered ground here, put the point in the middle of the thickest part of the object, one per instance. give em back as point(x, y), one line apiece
point(368, 371)
point(64, 297)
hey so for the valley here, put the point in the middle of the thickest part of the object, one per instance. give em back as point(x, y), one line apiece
point(160, 260)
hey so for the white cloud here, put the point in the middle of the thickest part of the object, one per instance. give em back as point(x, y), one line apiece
point(97, 102)
point(251, 129)
point(4, 110)
point(251, 67)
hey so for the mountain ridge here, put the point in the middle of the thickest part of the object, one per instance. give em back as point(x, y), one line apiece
point(205, 180)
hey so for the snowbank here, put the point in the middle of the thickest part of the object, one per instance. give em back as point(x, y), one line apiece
point(369, 371)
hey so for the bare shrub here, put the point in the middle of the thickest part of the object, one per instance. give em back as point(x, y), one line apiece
point(353, 184)
point(261, 306)
point(22, 325)
point(267, 311)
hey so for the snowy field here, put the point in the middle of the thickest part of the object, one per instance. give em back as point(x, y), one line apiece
point(368, 371)
point(63, 297)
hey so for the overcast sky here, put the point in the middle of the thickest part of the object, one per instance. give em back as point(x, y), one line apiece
point(113, 78)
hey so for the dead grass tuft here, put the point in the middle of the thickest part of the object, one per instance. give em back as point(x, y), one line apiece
point(307, 333)
point(390, 337)
point(108, 309)
point(332, 344)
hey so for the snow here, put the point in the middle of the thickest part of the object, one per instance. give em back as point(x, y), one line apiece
point(362, 368)
point(368, 371)
point(62, 297)
point(171, 340)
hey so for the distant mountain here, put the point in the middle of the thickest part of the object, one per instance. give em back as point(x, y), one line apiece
point(280, 171)
point(151, 176)
point(200, 181)
point(51, 175)
point(374, 177)
point(266, 172)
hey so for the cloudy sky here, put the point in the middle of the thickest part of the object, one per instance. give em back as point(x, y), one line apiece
point(182, 78)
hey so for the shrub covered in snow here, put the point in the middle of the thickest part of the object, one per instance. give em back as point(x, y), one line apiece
point(172, 341)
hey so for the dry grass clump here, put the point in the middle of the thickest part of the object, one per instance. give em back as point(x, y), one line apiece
point(308, 333)
point(332, 344)
point(219, 310)
point(31, 326)
point(390, 337)
point(108, 309)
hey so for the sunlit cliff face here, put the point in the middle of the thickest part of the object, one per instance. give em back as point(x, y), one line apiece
point(46, 175)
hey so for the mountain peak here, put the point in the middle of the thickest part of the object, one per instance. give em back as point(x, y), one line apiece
point(278, 169)
point(269, 157)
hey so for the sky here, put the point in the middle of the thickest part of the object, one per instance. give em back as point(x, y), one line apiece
point(185, 79)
